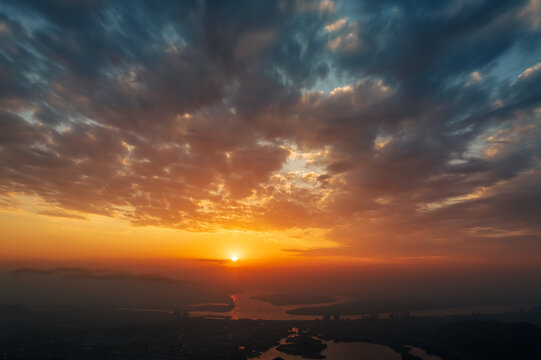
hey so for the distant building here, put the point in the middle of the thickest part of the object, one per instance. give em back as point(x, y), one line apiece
point(184, 314)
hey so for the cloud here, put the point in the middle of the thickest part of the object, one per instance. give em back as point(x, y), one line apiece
point(61, 213)
point(337, 25)
point(215, 261)
point(369, 122)
point(529, 71)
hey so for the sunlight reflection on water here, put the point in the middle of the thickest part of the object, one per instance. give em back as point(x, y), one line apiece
point(341, 351)
point(248, 308)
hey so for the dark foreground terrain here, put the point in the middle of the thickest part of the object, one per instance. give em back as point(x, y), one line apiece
point(105, 333)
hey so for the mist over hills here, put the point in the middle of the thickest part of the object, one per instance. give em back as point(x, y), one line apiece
point(82, 287)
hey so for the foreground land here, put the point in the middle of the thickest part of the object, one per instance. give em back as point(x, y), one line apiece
point(103, 333)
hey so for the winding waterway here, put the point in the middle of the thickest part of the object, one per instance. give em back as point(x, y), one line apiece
point(248, 308)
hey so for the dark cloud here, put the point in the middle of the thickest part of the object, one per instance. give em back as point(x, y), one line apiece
point(398, 122)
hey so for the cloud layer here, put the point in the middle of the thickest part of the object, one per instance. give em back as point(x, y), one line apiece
point(398, 128)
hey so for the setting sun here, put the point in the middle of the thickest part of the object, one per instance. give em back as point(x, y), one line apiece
point(234, 258)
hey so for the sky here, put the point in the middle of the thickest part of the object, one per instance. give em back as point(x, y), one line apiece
point(280, 132)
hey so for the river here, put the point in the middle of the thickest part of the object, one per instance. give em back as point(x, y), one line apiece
point(248, 308)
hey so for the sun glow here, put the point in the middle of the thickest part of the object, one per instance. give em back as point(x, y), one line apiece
point(234, 258)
